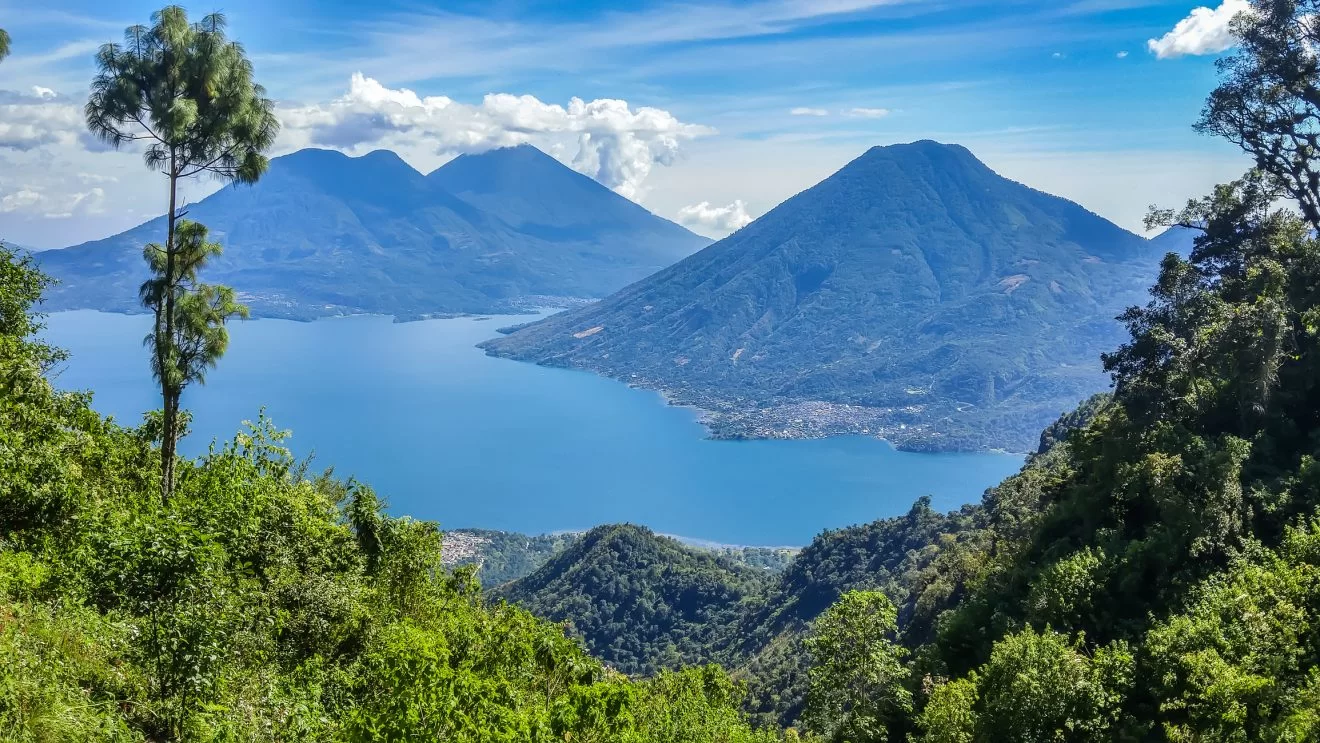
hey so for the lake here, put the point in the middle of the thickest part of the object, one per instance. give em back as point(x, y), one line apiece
point(446, 433)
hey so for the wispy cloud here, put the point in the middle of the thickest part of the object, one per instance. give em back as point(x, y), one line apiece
point(867, 113)
point(804, 111)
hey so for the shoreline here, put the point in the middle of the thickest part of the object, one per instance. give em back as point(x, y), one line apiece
point(542, 306)
point(800, 420)
point(776, 423)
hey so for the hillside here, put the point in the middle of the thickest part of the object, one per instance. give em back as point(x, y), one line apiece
point(632, 596)
point(323, 234)
point(914, 294)
point(503, 556)
point(920, 560)
point(260, 604)
point(639, 601)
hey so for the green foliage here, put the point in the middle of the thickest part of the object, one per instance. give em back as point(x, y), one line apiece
point(949, 715)
point(61, 678)
point(1036, 687)
point(4, 43)
point(640, 602)
point(199, 337)
point(186, 90)
point(1041, 687)
point(262, 604)
point(1268, 100)
point(1240, 663)
point(857, 692)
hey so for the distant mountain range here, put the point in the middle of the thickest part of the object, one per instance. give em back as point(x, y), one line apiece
point(914, 294)
point(324, 234)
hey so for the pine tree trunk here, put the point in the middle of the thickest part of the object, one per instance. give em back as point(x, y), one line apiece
point(169, 395)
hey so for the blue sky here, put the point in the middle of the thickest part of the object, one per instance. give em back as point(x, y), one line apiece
point(708, 112)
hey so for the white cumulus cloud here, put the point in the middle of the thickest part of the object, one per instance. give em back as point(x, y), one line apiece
point(1204, 31)
point(1122, 55)
point(715, 220)
point(21, 199)
point(31, 121)
point(606, 139)
point(805, 111)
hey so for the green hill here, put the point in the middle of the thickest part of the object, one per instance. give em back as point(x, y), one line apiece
point(639, 601)
point(914, 294)
point(921, 560)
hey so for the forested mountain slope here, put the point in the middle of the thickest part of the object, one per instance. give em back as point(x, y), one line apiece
point(914, 294)
point(639, 601)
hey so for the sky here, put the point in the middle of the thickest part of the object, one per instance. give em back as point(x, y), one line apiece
point(707, 113)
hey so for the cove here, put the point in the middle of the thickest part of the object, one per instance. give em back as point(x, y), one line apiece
point(444, 432)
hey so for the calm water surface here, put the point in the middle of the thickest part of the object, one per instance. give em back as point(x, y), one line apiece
point(444, 432)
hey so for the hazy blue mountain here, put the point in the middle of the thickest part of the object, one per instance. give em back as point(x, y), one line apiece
point(537, 195)
point(914, 294)
point(323, 233)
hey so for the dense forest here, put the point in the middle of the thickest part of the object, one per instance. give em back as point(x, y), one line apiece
point(1152, 573)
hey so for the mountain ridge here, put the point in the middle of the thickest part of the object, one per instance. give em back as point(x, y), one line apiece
point(914, 294)
point(323, 233)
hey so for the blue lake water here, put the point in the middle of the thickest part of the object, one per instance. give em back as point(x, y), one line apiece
point(444, 432)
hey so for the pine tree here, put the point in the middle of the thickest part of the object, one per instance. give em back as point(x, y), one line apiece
point(187, 92)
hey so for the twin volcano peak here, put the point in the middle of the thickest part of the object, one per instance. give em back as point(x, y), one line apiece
point(323, 233)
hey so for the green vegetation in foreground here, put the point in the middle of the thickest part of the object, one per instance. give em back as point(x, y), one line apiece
point(262, 602)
